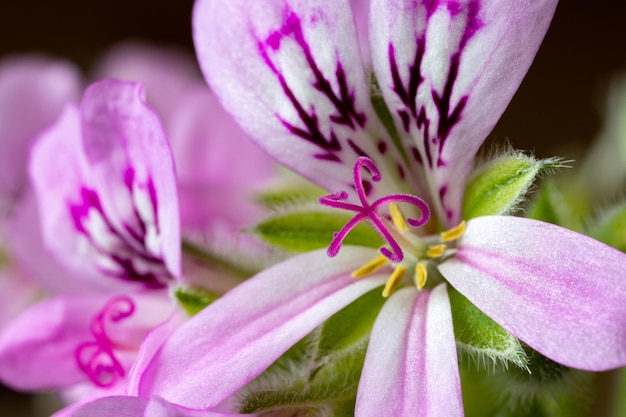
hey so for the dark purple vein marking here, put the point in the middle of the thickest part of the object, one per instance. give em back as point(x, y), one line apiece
point(449, 114)
point(129, 250)
point(343, 100)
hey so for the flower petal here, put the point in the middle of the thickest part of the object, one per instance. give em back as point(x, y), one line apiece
point(166, 72)
point(106, 189)
point(38, 350)
point(137, 407)
point(411, 362)
point(290, 73)
point(237, 337)
point(132, 162)
point(447, 70)
point(218, 166)
point(560, 292)
point(33, 91)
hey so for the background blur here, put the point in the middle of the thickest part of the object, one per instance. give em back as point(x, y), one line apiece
point(557, 111)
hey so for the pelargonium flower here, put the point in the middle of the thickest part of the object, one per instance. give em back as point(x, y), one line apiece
point(106, 188)
point(290, 73)
point(105, 183)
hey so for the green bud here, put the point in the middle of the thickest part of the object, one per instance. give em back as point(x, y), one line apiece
point(499, 186)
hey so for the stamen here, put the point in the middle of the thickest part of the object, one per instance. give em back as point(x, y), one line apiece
point(435, 251)
point(421, 275)
point(398, 218)
point(454, 233)
point(369, 211)
point(394, 280)
point(370, 267)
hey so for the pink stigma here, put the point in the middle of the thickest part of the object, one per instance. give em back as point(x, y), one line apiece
point(369, 211)
point(96, 358)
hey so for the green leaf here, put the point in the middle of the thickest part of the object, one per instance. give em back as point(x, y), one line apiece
point(193, 300)
point(610, 228)
point(322, 371)
point(499, 186)
point(481, 339)
point(313, 229)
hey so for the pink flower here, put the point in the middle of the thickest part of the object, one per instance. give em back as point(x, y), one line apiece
point(290, 73)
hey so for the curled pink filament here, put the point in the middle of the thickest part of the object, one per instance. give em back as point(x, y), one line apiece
point(369, 211)
point(96, 358)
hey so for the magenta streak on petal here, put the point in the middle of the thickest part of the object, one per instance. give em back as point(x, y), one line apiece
point(449, 114)
point(344, 104)
point(131, 248)
point(96, 358)
point(477, 258)
point(368, 211)
point(416, 343)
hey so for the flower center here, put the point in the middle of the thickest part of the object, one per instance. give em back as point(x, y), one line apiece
point(395, 229)
point(96, 358)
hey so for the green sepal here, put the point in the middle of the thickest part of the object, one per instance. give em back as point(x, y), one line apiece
point(480, 339)
point(544, 389)
point(498, 187)
point(312, 229)
point(192, 299)
point(322, 371)
point(552, 206)
point(610, 228)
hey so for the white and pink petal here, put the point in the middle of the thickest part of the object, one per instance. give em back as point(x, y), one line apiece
point(447, 70)
point(560, 292)
point(67, 340)
point(236, 338)
point(411, 362)
point(295, 83)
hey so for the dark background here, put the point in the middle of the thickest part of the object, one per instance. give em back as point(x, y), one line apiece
point(555, 111)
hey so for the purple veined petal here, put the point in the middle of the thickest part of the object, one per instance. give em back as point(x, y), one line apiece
point(132, 166)
point(411, 362)
point(124, 406)
point(560, 292)
point(39, 349)
point(33, 91)
point(236, 338)
point(291, 74)
point(166, 72)
point(447, 70)
point(58, 172)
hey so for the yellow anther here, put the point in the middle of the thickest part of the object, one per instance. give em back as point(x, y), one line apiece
point(370, 267)
point(421, 275)
point(394, 280)
point(398, 218)
point(454, 233)
point(435, 251)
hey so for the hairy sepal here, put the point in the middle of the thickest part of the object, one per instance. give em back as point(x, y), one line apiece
point(480, 339)
point(499, 186)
